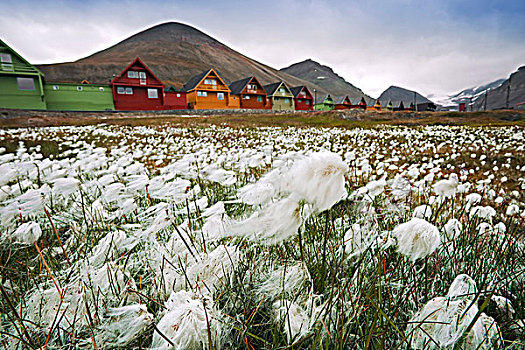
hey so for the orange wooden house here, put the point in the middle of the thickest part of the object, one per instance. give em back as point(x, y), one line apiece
point(208, 91)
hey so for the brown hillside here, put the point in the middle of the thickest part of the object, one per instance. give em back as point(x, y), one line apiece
point(175, 52)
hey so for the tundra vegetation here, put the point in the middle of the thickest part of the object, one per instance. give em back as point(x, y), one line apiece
point(215, 237)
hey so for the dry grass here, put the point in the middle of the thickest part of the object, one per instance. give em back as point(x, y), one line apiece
point(345, 119)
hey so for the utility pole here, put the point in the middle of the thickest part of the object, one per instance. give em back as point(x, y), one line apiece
point(415, 102)
point(471, 105)
point(315, 97)
point(508, 94)
point(485, 102)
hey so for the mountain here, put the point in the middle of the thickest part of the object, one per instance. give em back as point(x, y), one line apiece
point(397, 94)
point(502, 96)
point(174, 52)
point(325, 78)
point(471, 93)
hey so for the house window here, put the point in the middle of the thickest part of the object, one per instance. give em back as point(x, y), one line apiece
point(286, 100)
point(129, 91)
point(307, 102)
point(6, 60)
point(153, 93)
point(178, 95)
point(246, 97)
point(299, 100)
point(302, 93)
point(142, 76)
point(210, 81)
point(79, 88)
point(202, 93)
point(27, 84)
point(282, 90)
point(56, 87)
point(101, 89)
point(121, 91)
point(259, 98)
point(220, 96)
point(133, 74)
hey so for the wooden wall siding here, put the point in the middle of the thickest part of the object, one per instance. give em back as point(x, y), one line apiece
point(249, 101)
point(138, 100)
point(210, 101)
point(283, 103)
point(79, 97)
point(175, 100)
point(26, 92)
point(12, 97)
point(304, 104)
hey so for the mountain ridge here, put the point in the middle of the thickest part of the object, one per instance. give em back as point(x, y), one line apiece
point(175, 52)
point(325, 77)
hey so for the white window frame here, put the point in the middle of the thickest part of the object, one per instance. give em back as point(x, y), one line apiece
point(153, 93)
point(220, 94)
point(129, 91)
point(121, 90)
point(246, 97)
point(133, 74)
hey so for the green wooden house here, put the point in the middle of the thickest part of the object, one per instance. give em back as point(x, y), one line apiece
point(324, 103)
point(280, 97)
point(79, 97)
point(21, 83)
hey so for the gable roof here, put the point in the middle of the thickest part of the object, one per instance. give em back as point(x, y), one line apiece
point(197, 79)
point(139, 61)
point(297, 89)
point(237, 86)
point(13, 52)
point(271, 88)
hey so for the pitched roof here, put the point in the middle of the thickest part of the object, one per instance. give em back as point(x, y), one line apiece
point(237, 86)
point(137, 60)
point(195, 80)
point(3, 43)
point(297, 89)
point(271, 88)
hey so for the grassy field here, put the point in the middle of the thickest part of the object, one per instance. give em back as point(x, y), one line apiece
point(345, 119)
point(301, 231)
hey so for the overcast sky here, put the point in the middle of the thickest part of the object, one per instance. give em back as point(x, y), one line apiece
point(436, 47)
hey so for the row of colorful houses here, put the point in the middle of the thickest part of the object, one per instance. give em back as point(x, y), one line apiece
point(23, 86)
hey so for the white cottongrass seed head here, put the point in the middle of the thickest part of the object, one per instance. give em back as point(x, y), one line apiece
point(416, 238)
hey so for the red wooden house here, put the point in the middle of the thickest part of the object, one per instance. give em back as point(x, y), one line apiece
point(303, 99)
point(250, 93)
point(137, 88)
point(342, 103)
